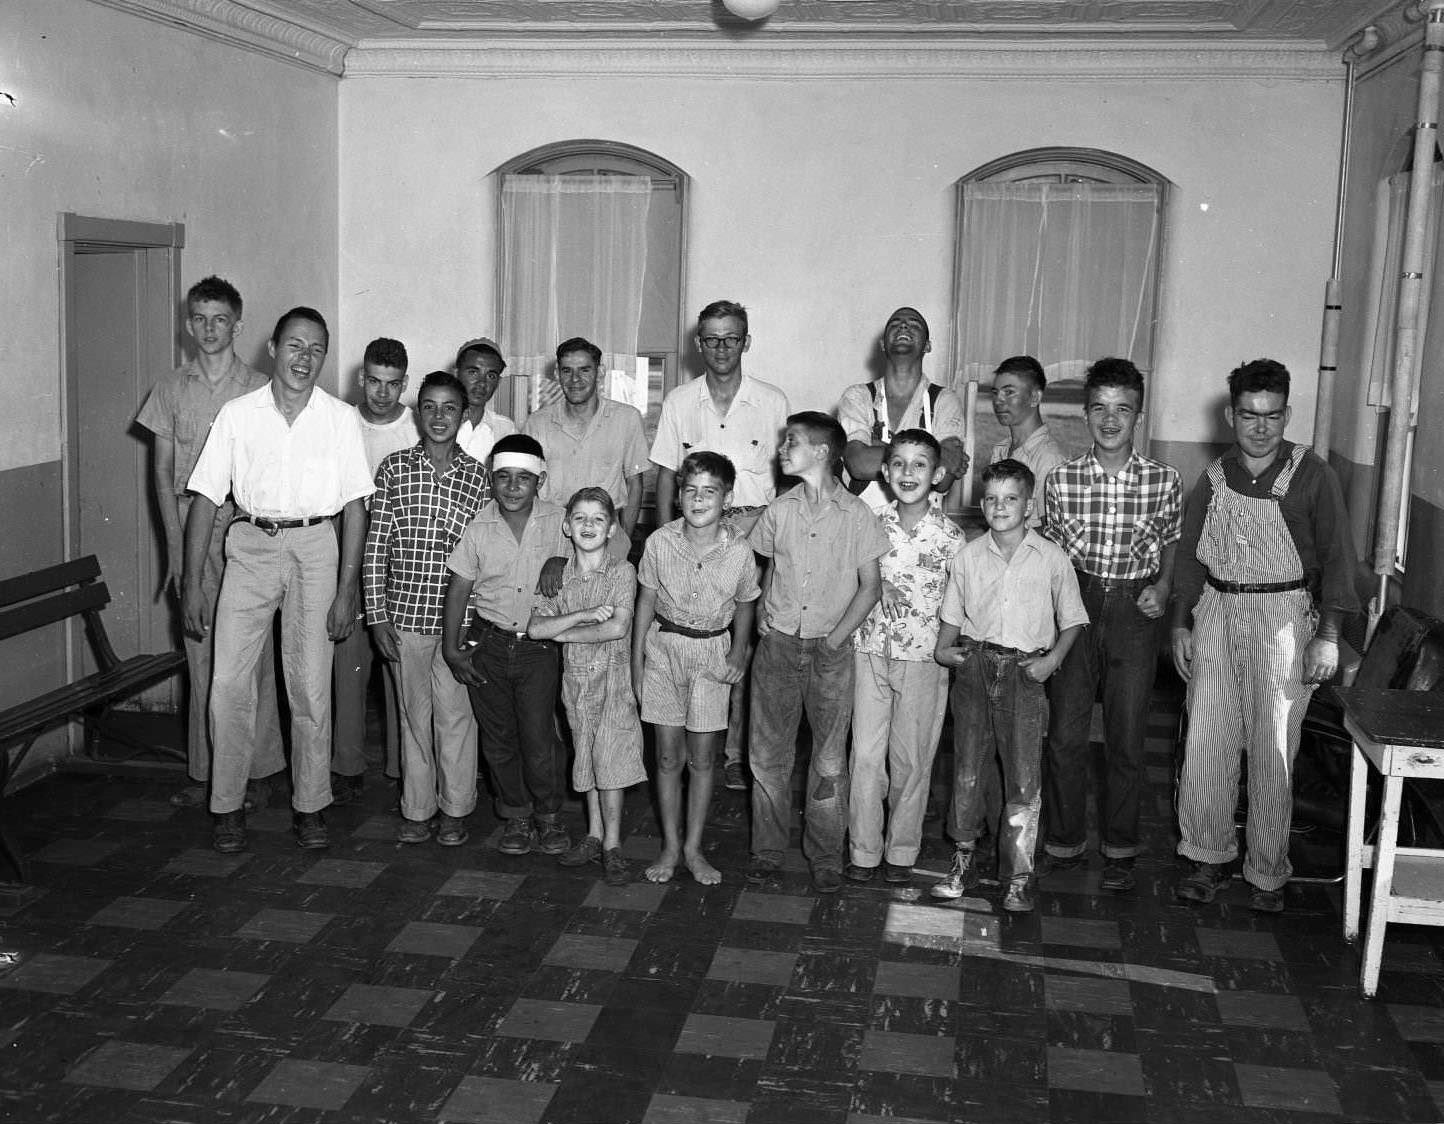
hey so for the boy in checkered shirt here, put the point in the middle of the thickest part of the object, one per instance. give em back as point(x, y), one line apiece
point(425, 497)
point(1117, 515)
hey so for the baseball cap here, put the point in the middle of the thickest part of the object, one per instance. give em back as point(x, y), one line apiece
point(481, 343)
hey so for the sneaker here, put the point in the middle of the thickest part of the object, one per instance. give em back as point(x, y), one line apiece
point(1118, 875)
point(451, 831)
point(310, 829)
point(1203, 884)
point(229, 835)
point(763, 870)
point(345, 790)
point(413, 831)
point(1265, 901)
point(518, 838)
point(960, 879)
point(1019, 898)
point(733, 777)
point(896, 874)
point(587, 849)
point(615, 869)
point(552, 838)
point(855, 873)
point(825, 880)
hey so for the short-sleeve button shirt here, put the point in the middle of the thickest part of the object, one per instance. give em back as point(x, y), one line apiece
point(694, 590)
point(917, 565)
point(314, 466)
point(604, 452)
point(182, 405)
point(1021, 602)
point(747, 434)
point(503, 571)
point(816, 552)
point(1113, 526)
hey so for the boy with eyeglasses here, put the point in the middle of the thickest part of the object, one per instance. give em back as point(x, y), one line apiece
point(740, 417)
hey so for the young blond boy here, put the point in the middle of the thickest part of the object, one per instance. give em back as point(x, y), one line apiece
point(690, 636)
point(822, 545)
point(1010, 614)
point(900, 692)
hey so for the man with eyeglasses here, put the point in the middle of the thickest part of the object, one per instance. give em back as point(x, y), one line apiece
point(1263, 576)
point(479, 366)
point(740, 417)
point(591, 441)
point(904, 398)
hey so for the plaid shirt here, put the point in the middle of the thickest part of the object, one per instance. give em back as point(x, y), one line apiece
point(1113, 526)
point(417, 516)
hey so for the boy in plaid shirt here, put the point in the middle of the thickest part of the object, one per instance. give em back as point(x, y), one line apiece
point(1117, 515)
point(425, 497)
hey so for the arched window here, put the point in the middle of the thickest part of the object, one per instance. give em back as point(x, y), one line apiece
point(1057, 257)
point(591, 235)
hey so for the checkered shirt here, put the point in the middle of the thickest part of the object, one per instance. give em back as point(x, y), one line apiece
point(1113, 526)
point(417, 516)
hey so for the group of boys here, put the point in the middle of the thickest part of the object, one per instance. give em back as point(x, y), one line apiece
point(869, 602)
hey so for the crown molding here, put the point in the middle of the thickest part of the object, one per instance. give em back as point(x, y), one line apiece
point(240, 26)
point(895, 58)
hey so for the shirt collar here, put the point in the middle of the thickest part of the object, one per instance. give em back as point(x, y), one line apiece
point(1131, 472)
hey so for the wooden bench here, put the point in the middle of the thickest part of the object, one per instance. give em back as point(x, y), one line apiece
point(50, 596)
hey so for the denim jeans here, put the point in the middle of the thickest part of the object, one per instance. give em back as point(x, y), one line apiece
point(516, 713)
point(788, 674)
point(998, 712)
point(1117, 653)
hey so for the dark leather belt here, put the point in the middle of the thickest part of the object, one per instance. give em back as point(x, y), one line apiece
point(485, 625)
point(664, 625)
point(1130, 585)
point(271, 526)
point(998, 649)
point(1256, 587)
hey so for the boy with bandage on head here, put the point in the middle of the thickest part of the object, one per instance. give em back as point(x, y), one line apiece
point(513, 680)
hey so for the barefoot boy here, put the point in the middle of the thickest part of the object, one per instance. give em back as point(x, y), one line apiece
point(822, 544)
point(698, 585)
point(900, 692)
point(425, 497)
point(1009, 616)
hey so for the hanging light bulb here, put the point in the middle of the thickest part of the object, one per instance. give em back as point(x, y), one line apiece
point(751, 10)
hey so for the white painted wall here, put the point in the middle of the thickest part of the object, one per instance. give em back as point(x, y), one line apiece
point(821, 204)
point(121, 117)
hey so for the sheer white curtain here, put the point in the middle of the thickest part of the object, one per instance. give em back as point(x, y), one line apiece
point(1060, 271)
point(574, 256)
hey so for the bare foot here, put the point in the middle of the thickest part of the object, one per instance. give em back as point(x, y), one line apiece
point(661, 870)
point(703, 871)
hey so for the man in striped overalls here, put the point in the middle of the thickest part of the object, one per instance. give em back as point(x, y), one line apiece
point(1263, 576)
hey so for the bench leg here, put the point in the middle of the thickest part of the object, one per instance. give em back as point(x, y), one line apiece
point(1383, 885)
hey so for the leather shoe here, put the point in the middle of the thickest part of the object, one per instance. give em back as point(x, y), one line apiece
point(229, 834)
point(311, 831)
point(855, 873)
point(825, 880)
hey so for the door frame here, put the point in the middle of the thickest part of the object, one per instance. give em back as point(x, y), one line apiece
point(157, 350)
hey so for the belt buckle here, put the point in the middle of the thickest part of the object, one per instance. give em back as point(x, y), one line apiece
point(267, 525)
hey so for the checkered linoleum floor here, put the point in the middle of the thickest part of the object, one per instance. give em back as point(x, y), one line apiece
point(155, 980)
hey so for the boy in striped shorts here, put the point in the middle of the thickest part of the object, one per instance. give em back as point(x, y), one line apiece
point(697, 593)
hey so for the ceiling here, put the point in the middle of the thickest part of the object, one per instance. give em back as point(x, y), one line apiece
point(326, 32)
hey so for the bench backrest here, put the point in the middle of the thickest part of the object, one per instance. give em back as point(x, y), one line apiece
point(51, 595)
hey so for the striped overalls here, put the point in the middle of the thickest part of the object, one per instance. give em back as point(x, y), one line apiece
point(1246, 692)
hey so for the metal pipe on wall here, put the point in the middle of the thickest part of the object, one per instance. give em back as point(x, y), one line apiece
point(1411, 284)
point(1366, 43)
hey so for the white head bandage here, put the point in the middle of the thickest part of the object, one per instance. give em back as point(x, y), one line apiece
point(524, 461)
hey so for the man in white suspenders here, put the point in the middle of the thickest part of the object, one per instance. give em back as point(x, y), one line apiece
point(904, 398)
point(1264, 574)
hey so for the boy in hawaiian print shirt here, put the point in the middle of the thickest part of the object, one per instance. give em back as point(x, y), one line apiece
point(900, 692)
